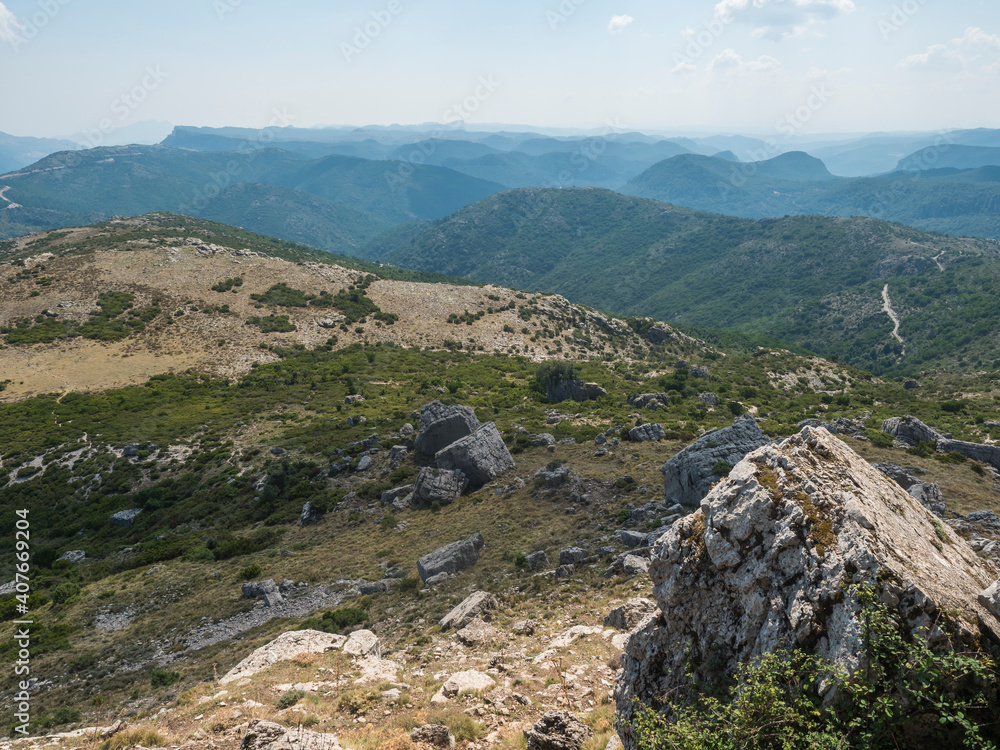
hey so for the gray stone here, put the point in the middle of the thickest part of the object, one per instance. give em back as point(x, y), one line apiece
point(351, 400)
point(125, 518)
point(433, 734)
point(266, 735)
point(552, 479)
point(452, 558)
point(406, 430)
point(537, 560)
point(709, 399)
point(543, 439)
point(650, 401)
point(131, 450)
point(478, 604)
point(389, 497)
point(647, 433)
point(436, 579)
point(309, 515)
point(257, 589)
point(438, 486)
point(572, 556)
point(558, 730)
point(698, 372)
point(441, 425)
point(397, 455)
point(910, 430)
point(365, 463)
point(370, 588)
point(633, 566)
point(565, 571)
point(630, 614)
point(273, 597)
point(286, 585)
point(985, 517)
point(911, 385)
point(689, 476)
point(480, 456)
point(523, 627)
point(74, 555)
point(634, 538)
point(278, 450)
point(574, 390)
point(600, 440)
point(477, 633)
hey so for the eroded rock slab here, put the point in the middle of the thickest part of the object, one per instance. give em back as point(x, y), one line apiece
point(286, 646)
point(480, 456)
point(441, 425)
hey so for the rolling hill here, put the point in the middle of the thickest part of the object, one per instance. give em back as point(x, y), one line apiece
point(813, 281)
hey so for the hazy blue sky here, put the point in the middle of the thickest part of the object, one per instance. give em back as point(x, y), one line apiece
point(760, 66)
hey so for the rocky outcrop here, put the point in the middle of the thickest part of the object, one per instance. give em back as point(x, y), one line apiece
point(283, 648)
point(309, 515)
point(689, 475)
point(630, 614)
point(477, 604)
point(926, 493)
point(574, 390)
point(552, 479)
point(987, 454)
point(910, 430)
point(125, 518)
point(650, 401)
point(558, 730)
point(709, 399)
point(762, 565)
point(647, 433)
point(266, 735)
point(450, 559)
point(460, 682)
point(438, 486)
point(436, 735)
point(441, 425)
point(479, 456)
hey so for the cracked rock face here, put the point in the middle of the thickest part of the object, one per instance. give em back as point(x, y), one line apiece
point(761, 566)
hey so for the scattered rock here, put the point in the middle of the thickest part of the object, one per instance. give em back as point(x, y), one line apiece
point(565, 571)
point(574, 390)
point(351, 400)
point(689, 475)
point(460, 682)
point(450, 559)
point(984, 517)
point(406, 430)
point(633, 539)
point(266, 735)
point(125, 518)
point(480, 456)
point(523, 627)
point(572, 556)
point(436, 735)
point(652, 401)
point(990, 599)
point(363, 643)
point(277, 451)
point(558, 730)
point(283, 648)
point(477, 633)
point(478, 604)
point(438, 486)
point(699, 372)
point(537, 560)
point(647, 433)
point(365, 463)
point(543, 439)
point(441, 425)
point(391, 497)
point(397, 455)
point(309, 515)
point(629, 614)
point(987, 454)
point(709, 399)
point(552, 479)
point(74, 555)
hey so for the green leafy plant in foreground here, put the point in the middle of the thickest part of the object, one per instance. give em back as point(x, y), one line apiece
point(906, 695)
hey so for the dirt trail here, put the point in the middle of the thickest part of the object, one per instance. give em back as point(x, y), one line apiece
point(887, 307)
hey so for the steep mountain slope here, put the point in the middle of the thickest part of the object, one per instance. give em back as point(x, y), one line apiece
point(95, 184)
point(950, 157)
point(960, 202)
point(20, 151)
point(814, 281)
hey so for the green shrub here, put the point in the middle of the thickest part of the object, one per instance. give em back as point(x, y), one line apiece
point(249, 572)
point(65, 593)
point(336, 620)
point(290, 698)
point(160, 678)
point(722, 469)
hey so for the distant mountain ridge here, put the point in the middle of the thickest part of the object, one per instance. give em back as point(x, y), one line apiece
point(812, 281)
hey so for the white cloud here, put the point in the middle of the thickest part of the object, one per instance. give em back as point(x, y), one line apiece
point(729, 62)
point(684, 68)
point(778, 20)
point(975, 49)
point(619, 23)
point(9, 27)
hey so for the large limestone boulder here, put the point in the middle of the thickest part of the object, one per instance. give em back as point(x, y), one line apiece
point(440, 486)
point(470, 680)
point(480, 456)
point(987, 454)
point(452, 558)
point(647, 433)
point(574, 390)
point(477, 604)
point(762, 566)
point(910, 430)
point(283, 648)
point(266, 735)
point(441, 425)
point(689, 475)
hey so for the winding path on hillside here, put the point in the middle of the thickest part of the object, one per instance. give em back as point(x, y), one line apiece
point(10, 203)
point(887, 307)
